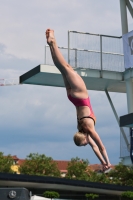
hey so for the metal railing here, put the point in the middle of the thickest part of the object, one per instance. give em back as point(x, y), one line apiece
point(93, 51)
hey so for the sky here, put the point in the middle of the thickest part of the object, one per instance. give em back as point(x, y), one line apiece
point(40, 119)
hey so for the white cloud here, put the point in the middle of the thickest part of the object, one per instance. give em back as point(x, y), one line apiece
point(23, 24)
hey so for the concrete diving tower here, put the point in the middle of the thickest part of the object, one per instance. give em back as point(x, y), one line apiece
point(108, 81)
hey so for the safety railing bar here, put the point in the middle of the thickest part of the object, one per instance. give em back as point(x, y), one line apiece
point(90, 51)
point(85, 33)
point(58, 47)
point(111, 36)
point(98, 52)
point(96, 34)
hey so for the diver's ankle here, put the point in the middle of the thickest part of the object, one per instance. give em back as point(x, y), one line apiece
point(53, 42)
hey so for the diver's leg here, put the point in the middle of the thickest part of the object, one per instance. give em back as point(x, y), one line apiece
point(78, 88)
point(67, 85)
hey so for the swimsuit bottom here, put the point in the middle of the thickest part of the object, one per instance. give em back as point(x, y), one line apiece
point(83, 102)
point(92, 117)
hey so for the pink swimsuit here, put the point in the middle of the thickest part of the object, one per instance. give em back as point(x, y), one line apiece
point(83, 102)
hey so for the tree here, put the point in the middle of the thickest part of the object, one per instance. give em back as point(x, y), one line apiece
point(91, 196)
point(127, 195)
point(51, 194)
point(36, 164)
point(77, 169)
point(5, 163)
point(122, 175)
point(101, 178)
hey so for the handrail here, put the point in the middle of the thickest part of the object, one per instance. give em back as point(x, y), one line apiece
point(104, 52)
point(95, 34)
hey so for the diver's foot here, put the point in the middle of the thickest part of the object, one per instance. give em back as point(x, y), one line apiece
point(50, 36)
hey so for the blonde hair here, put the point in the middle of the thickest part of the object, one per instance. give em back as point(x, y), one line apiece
point(78, 137)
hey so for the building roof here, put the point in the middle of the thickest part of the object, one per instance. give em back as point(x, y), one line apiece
point(15, 158)
point(62, 165)
point(20, 161)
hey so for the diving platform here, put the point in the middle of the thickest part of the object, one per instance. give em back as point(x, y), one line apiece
point(49, 75)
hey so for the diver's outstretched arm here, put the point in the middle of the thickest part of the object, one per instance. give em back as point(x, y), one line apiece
point(98, 153)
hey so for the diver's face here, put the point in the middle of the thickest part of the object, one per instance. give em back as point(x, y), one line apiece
point(84, 141)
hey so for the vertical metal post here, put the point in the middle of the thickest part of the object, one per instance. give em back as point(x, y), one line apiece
point(45, 56)
point(75, 57)
point(101, 59)
point(124, 21)
point(129, 87)
point(68, 47)
point(131, 144)
point(129, 90)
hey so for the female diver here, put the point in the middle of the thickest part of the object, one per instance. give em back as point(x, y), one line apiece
point(77, 93)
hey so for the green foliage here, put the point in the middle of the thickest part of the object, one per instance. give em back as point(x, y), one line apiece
point(100, 178)
point(122, 175)
point(51, 194)
point(77, 169)
point(36, 164)
point(127, 195)
point(5, 163)
point(91, 196)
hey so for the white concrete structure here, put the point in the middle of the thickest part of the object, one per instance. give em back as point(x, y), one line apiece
point(50, 75)
point(124, 5)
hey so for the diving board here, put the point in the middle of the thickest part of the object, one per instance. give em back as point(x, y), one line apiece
point(49, 75)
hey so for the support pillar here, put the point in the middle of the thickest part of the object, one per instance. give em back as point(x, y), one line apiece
point(131, 144)
point(129, 89)
point(129, 86)
point(124, 21)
